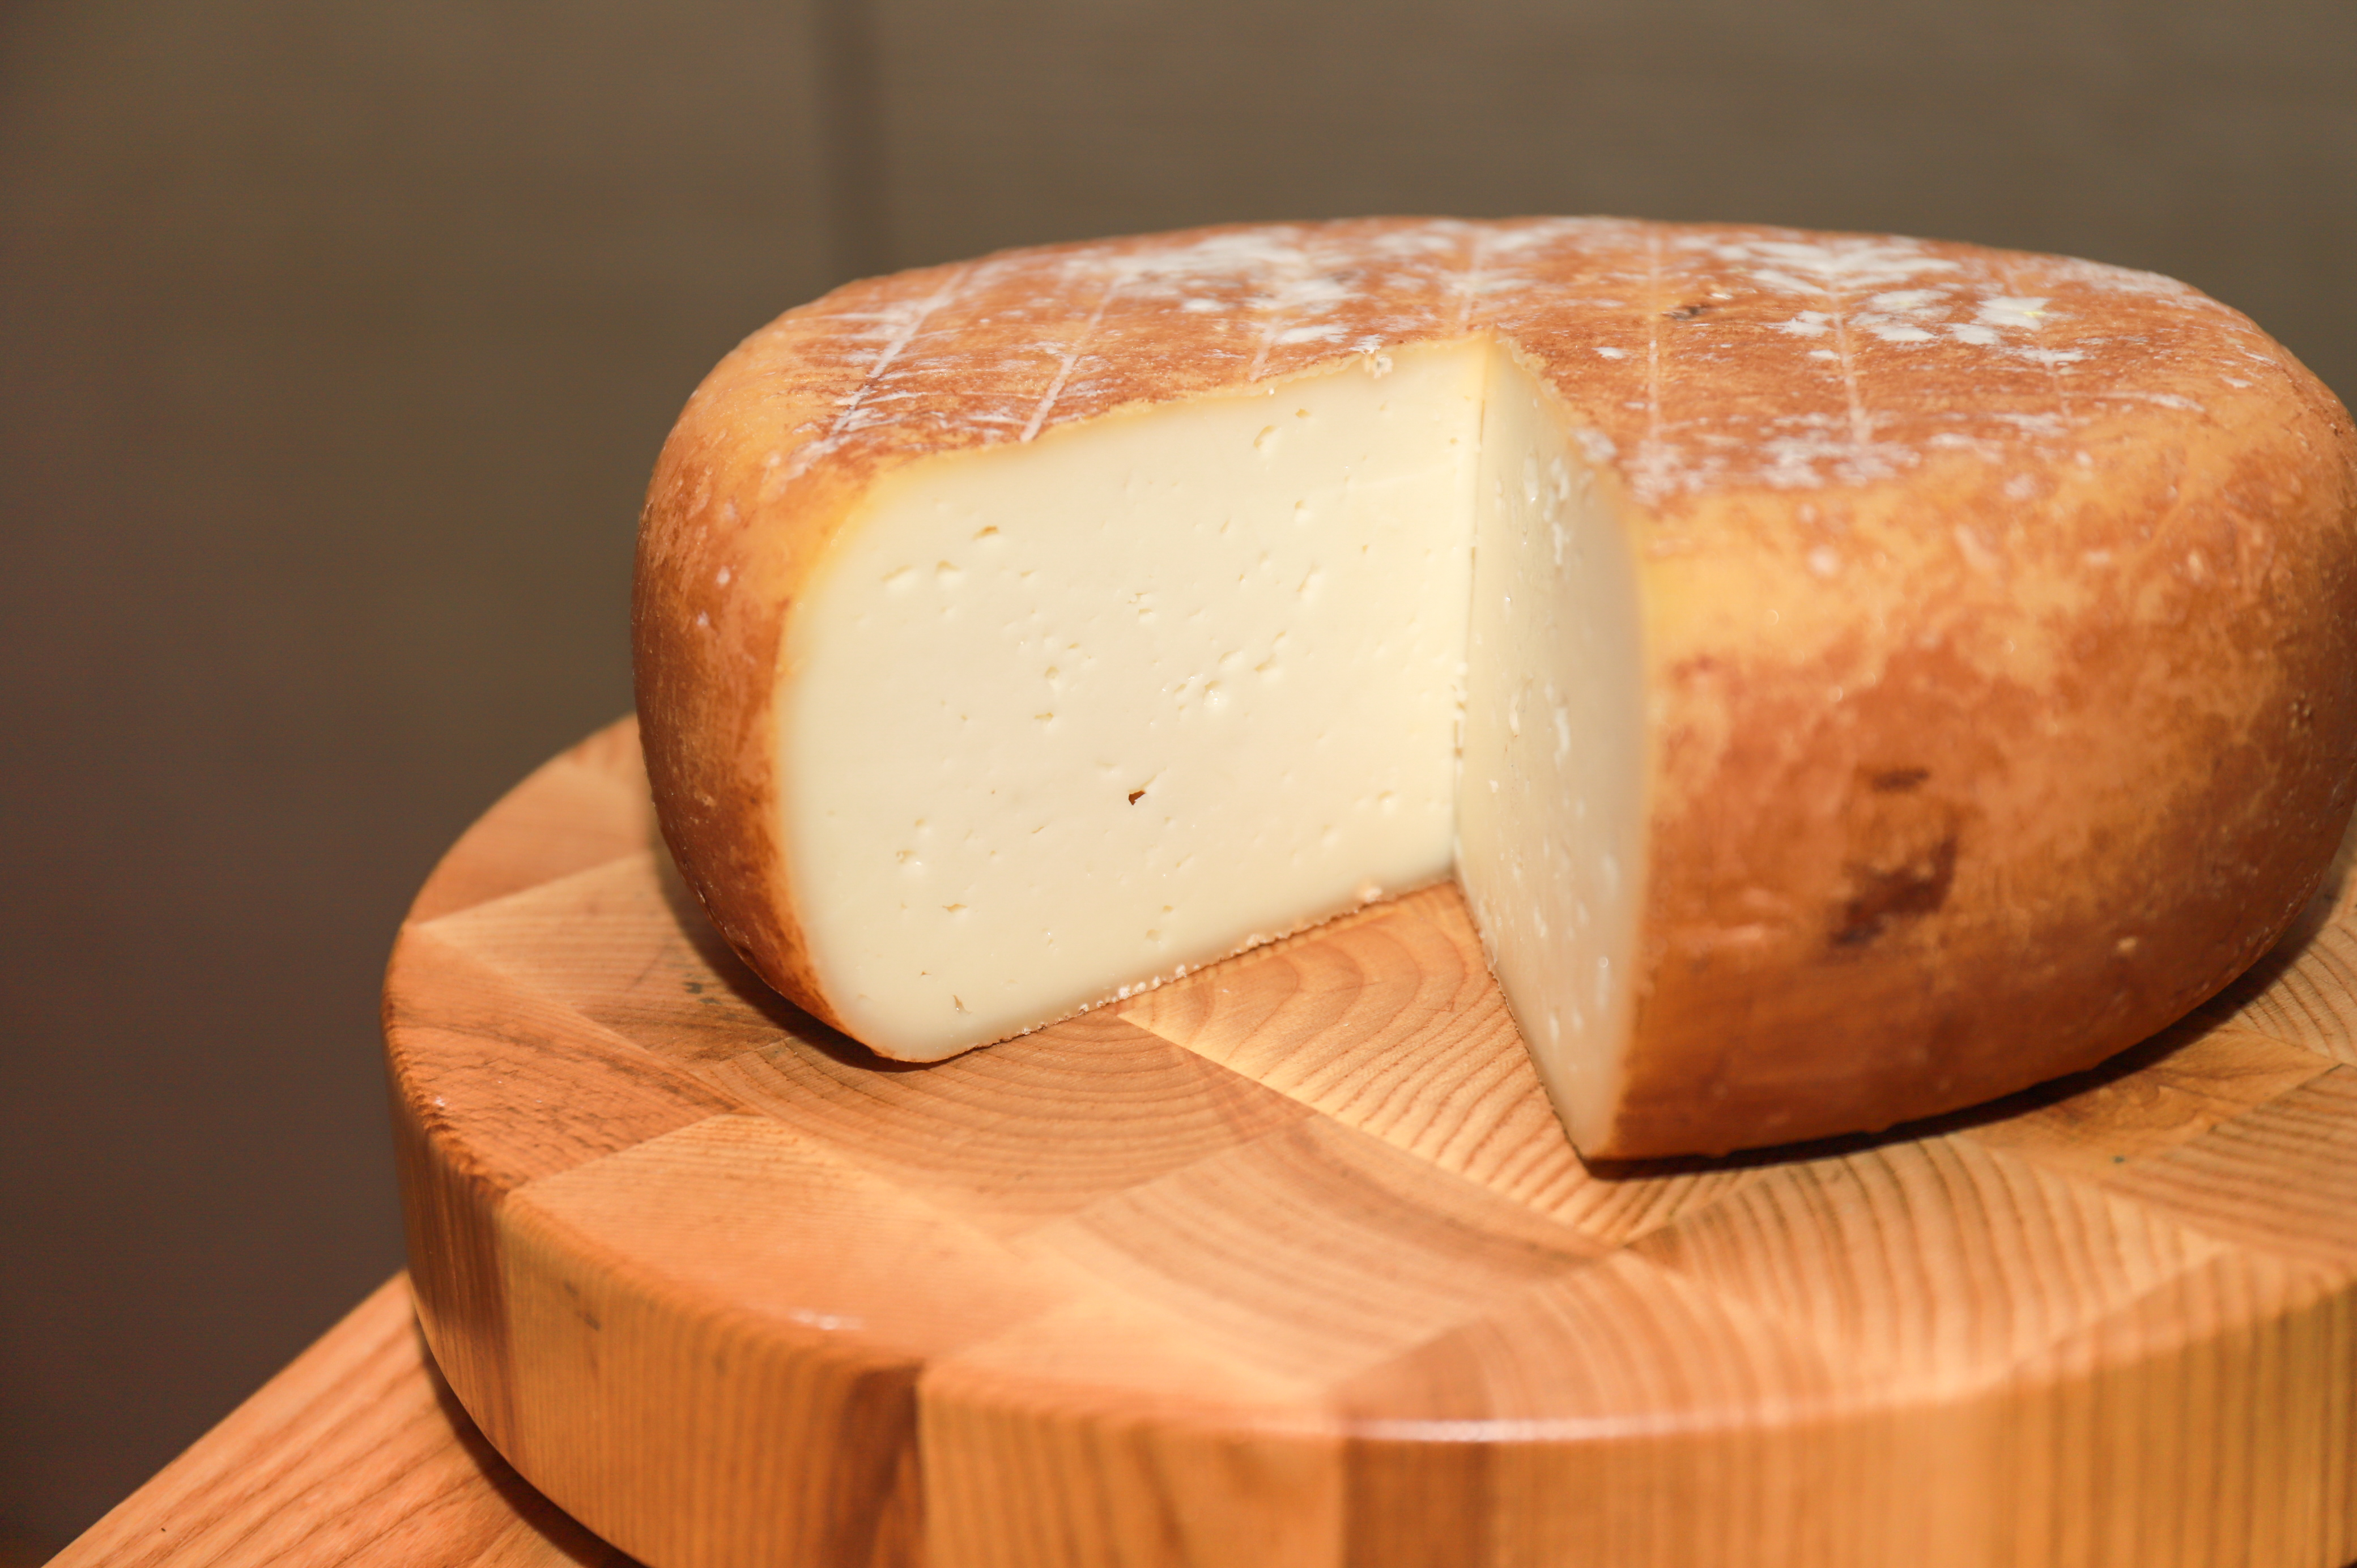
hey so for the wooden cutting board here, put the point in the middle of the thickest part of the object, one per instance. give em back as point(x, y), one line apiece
point(1288, 1264)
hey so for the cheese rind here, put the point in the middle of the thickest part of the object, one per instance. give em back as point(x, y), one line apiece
point(1995, 620)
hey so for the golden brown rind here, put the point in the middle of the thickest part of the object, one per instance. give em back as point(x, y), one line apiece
point(2001, 609)
point(2025, 837)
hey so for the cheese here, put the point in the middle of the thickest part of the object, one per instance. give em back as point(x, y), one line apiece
point(1157, 685)
point(1172, 683)
point(1551, 796)
point(1849, 676)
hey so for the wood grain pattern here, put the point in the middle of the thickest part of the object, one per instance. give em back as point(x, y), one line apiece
point(1287, 1263)
point(354, 1457)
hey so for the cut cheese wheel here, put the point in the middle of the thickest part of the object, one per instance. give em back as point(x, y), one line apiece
point(1850, 677)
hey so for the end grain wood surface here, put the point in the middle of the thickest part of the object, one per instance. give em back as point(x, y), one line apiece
point(1289, 1264)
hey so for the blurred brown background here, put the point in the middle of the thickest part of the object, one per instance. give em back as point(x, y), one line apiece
point(340, 338)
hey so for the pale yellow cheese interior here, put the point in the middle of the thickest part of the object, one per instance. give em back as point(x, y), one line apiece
point(1551, 792)
point(1063, 718)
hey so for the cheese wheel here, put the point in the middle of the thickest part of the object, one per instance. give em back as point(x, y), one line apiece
point(1850, 677)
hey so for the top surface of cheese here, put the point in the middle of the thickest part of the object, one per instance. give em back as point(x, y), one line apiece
point(1705, 360)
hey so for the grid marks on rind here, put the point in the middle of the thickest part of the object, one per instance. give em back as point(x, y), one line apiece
point(1703, 360)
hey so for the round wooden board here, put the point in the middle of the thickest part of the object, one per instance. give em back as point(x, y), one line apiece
point(1288, 1264)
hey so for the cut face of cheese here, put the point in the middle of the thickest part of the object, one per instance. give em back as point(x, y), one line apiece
point(1551, 807)
point(1850, 677)
point(1066, 719)
point(1072, 716)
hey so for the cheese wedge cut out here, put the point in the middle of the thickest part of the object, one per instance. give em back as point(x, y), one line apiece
point(1849, 677)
